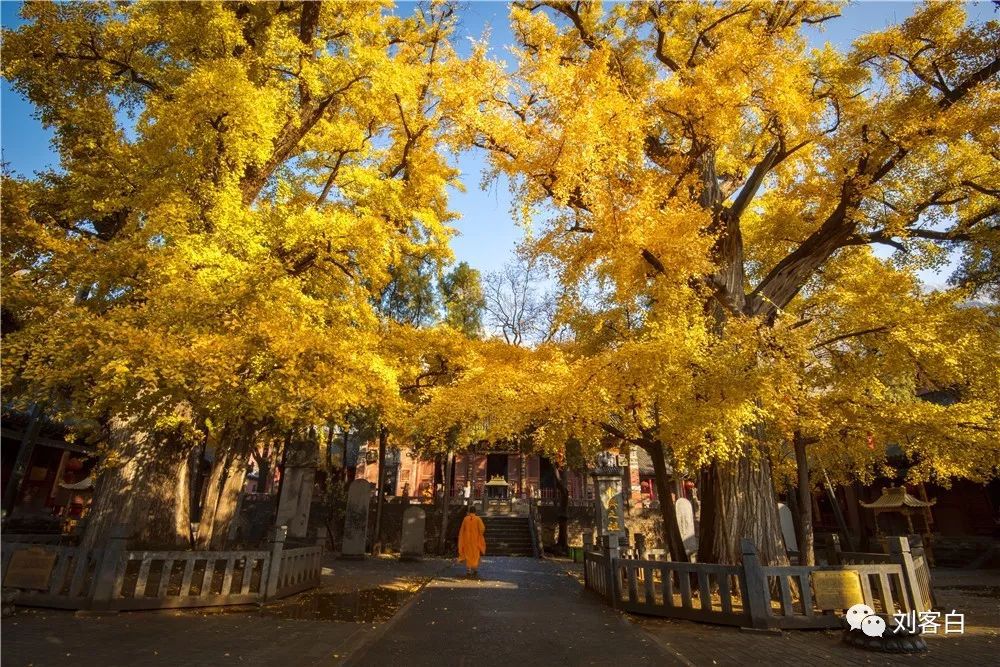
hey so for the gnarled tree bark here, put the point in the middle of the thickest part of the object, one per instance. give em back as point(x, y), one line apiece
point(144, 485)
point(739, 502)
point(222, 490)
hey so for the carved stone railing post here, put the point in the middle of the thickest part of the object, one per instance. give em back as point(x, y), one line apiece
point(610, 548)
point(108, 570)
point(277, 541)
point(758, 597)
point(899, 549)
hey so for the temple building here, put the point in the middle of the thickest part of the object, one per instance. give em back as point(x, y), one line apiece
point(526, 475)
point(46, 477)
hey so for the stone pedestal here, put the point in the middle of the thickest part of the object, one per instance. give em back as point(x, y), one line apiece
point(356, 519)
point(411, 546)
point(297, 480)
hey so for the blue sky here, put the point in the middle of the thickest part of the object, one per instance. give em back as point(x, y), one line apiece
point(487, 235)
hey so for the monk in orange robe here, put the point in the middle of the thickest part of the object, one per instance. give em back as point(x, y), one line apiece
point(471, 542)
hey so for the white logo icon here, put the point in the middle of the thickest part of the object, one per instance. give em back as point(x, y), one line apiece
point(858, 613)
point(873, 626)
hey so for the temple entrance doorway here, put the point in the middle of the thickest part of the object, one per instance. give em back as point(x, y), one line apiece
point(496, 465)
point(547, 478)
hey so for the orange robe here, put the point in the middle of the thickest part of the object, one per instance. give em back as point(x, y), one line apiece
point(471, 540)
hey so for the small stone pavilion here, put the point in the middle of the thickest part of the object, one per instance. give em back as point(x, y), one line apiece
point(896, 501)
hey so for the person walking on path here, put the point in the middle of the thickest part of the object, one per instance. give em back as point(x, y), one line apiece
point(471, 542)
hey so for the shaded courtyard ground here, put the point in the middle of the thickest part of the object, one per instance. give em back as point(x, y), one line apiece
point(974, 593)
point(319, 627)
point(521, 611)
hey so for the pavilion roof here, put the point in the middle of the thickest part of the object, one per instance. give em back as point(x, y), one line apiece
point(896, 498)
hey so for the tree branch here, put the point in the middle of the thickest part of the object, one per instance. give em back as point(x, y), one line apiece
point(750, 188)
point(703, 35)
point(853, 334)
point(661, 37)
point(964, 88)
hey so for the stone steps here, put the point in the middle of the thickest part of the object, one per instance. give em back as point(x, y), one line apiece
point(508, 536)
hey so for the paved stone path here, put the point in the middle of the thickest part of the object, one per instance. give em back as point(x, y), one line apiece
point(521, 612)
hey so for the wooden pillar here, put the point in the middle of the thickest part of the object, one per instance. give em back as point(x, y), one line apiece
point(59, 474)
point(23, 459)
point(472, 473)
point(520, 472)
point(383, 437)
point(928, 515)
point(854, 512)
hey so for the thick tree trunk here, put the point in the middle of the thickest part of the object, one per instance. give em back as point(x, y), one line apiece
point(739, 502)
point(562, 540)
point(671, 530)
point(805, 537)
point(383, 437)
point(145, 485)
point(445, 501)
point(221, 497)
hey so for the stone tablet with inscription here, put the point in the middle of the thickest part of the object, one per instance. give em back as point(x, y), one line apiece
point(30, 568)
point(356, 519)
point(411, 546)
point(837, 589)
point(787, 527)
point(685, 524)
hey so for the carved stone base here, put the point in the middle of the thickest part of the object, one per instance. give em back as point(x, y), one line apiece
point(889, 642)
point(8, 602)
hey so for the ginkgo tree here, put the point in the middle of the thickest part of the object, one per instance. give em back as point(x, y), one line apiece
point(704, 147)
point(234, 182)
point(881, 348)
point(246, 192)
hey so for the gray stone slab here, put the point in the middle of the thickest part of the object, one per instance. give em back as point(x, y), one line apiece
point(356, 519)
point(685, 523)
point(787, 527)
point(412, 540)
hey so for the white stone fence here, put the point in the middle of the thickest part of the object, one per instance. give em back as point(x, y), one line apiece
point(749, 594)
point(118, 578)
